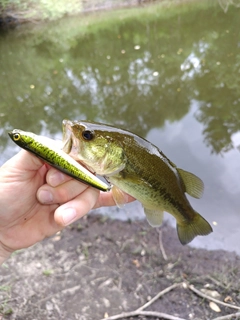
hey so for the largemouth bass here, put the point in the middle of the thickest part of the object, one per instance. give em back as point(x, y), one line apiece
point(46, 149)
point(137, 167)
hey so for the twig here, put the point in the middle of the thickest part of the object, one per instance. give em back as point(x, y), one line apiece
point(8, 300)
point(165, 257)
point(191, 287)
point(218, 283)
point(140, 312)
point(229, 316)
point(71, 290)
point(160, 294)
point(143, 313)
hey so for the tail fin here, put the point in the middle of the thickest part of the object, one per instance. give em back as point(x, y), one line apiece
point(188, 230)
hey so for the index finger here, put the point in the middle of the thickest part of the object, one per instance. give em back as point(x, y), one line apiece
point(106, 199)
point(55, 177)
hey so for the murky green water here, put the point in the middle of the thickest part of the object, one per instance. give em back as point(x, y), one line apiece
point(170, 75)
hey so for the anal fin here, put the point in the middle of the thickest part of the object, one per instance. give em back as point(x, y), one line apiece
point(154, 217)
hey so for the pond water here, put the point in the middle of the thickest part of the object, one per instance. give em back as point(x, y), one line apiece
point(170, 74)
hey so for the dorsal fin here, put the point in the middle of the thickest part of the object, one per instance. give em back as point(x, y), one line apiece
point(193, 185)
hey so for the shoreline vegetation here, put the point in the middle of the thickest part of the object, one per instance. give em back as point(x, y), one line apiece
point(15, 12)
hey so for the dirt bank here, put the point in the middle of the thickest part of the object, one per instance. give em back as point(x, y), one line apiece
point(101, 268)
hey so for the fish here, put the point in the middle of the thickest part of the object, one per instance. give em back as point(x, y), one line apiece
point(47, 150)
point(133, 165)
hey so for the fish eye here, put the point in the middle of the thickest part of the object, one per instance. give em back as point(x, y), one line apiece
point(87, 135)
point(16, 136)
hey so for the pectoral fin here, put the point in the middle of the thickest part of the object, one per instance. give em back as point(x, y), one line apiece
point(119, 196)
point(154, 217)
point(193, 185)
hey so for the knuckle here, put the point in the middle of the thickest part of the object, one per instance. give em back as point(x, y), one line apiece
point(62, 195)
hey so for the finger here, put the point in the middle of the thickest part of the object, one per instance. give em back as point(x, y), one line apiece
point(24, 161)
point(76, 208)
point(54, 177)
point(60, 194)
point(106, 199)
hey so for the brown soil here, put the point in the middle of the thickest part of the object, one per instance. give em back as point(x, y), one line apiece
point(101, 268)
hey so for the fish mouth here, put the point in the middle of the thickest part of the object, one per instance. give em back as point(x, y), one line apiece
point(67, 142)
point(70, 144)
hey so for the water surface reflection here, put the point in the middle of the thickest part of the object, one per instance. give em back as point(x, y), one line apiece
point(161, 73)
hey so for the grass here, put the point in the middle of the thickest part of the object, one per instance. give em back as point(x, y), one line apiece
point(35, 10)
point(31, 10)
point(5, 291)
point(48, 272)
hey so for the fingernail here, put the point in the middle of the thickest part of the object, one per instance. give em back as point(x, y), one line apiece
point(56, 178)
point(69, 215)
point(45, 196)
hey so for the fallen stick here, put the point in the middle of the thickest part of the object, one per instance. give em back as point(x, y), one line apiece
point(160, 294)
point(229, 316)
point(191, 287)
point(143, 313)
point(140, 312)
point(165, 257)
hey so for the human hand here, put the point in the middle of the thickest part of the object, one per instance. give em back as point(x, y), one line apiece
point(36, 201)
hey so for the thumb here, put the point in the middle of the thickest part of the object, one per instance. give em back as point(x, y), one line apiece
point(23, 162)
